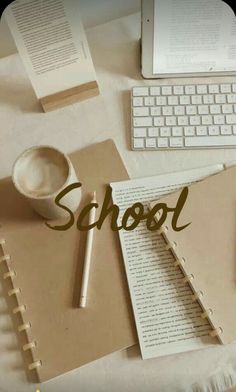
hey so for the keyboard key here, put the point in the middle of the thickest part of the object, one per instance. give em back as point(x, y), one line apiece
point(182, 120)
point(153, 132)
point(151, 142)
point(226, 129)
point(155, 91)
point(220, 98)
point(176, 142)
point(173, 100)
point(227, 109)
point(171, 121)
point(201, 130)
point(225, 88)
point(190, 90)
point(165, 131)
point(207, 99)
point(162, 142)
point(166, 90)
point(140, 91)
point(140, 132)
point(140, 111)
point(178, 90)
point(155, 111)
point(215, 109)
point(213, 88)
point(179, 110)
point(149, 101)
point(159, 121)
point(161, 101)
point(231, 98)
point(138, 101)
point(195, 120)
point(167, 110)
point(219, 119)
point(138, 143)
point(177, 131)
point(203, 109)
point(234, 88)
point(206, 120)
point(196, 99)
point(207, 141)
point(184, 100)
point(202, 89)
point(143, 122)
point(191, 110)
point(214, 130)
point(230, 119)
point(189, 131)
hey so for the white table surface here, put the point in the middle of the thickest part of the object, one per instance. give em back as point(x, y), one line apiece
point(115, 51)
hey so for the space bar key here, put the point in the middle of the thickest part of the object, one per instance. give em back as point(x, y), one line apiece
point(198, 141)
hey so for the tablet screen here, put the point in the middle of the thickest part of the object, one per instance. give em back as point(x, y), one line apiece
point(193, 36)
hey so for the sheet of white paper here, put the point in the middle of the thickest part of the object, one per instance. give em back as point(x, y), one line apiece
point(167, 320)
point(193, 36)
point(51, 41)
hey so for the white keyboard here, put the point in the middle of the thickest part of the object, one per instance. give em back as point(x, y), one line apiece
point(184, 116)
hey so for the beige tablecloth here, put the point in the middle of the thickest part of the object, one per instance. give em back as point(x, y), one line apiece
point(115, 51)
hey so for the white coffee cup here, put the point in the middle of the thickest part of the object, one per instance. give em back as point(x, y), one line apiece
point(40, 174)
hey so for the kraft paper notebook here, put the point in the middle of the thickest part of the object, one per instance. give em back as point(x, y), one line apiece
point(206, 249)
point(48, 266)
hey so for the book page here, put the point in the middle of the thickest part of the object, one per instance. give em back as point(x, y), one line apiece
point(193, 36)
point(51, 41)
point(167, 319)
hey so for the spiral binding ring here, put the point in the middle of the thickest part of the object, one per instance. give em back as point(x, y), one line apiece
point(162, 230)
point(19, 309)
point(207, 313)
point(24, 327)
point(216, 332)
point(5, 258)
point(14, 292)
point(179, 262)
point(10, 274)
point(35, 365)
point(29, 346)
point(171, 245)
point(188, 278)
point(197, 296)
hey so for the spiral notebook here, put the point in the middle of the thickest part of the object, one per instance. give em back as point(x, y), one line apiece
point(206, 249)
point(168, 319)
point(42, 269)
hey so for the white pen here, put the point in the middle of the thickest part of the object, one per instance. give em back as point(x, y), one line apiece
point(87, 260)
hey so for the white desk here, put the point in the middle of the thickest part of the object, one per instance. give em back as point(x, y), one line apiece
point(115, 51)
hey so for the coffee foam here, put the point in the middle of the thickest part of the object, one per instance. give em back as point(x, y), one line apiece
point(41, 172)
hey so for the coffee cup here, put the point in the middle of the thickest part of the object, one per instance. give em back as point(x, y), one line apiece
point(40, 174)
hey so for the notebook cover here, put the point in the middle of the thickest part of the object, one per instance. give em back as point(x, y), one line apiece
point(49, 268)
point(208, 246)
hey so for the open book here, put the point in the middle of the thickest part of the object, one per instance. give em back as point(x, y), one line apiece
point(168, 319)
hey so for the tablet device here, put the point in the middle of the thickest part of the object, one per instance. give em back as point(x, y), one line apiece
point(187, 38)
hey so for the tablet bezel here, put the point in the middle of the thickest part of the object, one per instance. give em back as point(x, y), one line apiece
point(147, 42)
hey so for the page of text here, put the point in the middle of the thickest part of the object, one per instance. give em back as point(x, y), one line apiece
point(51, 41)
point(167, 319)
point(193, 36)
